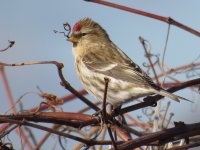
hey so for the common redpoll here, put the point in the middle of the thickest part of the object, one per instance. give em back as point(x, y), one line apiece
point(97, 57)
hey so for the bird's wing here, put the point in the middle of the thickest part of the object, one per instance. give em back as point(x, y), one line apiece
point(128, 71)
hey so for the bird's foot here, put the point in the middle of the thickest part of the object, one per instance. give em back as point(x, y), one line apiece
point(116, 111)
point(151, 100)
point(97, 113)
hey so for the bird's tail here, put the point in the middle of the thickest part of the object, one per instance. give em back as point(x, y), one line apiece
point(170, 95)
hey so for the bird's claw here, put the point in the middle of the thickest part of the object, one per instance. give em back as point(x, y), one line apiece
point(97, 113)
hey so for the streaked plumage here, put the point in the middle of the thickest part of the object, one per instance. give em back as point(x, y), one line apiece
point(96, 57)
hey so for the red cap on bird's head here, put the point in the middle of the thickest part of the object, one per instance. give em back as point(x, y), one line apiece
point(77, 26)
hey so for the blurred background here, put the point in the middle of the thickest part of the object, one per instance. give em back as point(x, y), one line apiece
point(31, 23)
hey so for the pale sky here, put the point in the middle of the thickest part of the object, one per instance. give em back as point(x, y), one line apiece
point(31, 23)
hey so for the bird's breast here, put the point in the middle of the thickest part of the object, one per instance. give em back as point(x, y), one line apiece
point(119, 91)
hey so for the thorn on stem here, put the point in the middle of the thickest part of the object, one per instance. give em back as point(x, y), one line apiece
point(11, 43)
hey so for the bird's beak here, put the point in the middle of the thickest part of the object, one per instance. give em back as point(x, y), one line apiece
point(72, 39)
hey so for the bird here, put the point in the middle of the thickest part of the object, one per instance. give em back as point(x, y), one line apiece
point(97, 58)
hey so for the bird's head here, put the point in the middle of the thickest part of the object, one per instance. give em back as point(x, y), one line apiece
point(86, 31)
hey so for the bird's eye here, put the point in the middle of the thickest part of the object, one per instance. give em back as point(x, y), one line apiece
point(83, 34)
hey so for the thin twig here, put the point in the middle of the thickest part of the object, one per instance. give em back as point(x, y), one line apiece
point(105, 113)
point(103, 135)
point(11, 43)
point(12, 103)
point(89, 135)
point(132, 131)
point(31, 135)
point(4, 133)
point(19, 130)
point(165, 113)
point(165, 48)
point(147, 54)
point(180, 68)
point(42, 141)
point(111, 136)
point(7, 89)
point(136, 122)
point(157, 108)
point(104, 99)
point(169, 120)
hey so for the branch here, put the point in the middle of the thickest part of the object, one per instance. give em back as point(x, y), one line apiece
point(64, 82)
point(150, 15)
point(86, 141)
point(108, 125)
point(167, 135)
point(180, 68)
point(75, 120)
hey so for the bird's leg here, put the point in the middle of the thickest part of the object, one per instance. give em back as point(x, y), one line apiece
point(120, 116)
point(97, 113)
point(120, 119)
point(116, 110)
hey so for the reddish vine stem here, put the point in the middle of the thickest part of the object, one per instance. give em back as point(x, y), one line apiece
point(147, 54)
point(85, 120)
point(169, 120)
point(178, 69)
point(162, 137)
point(6, 132)
point(104, 100)
point(12, 104)
point(7, 89)
point(86, 141)
point(111, 136)
point(63, 81)
point(75, 120)
point(167, 20)
point(105, 114)
point(165, 113)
